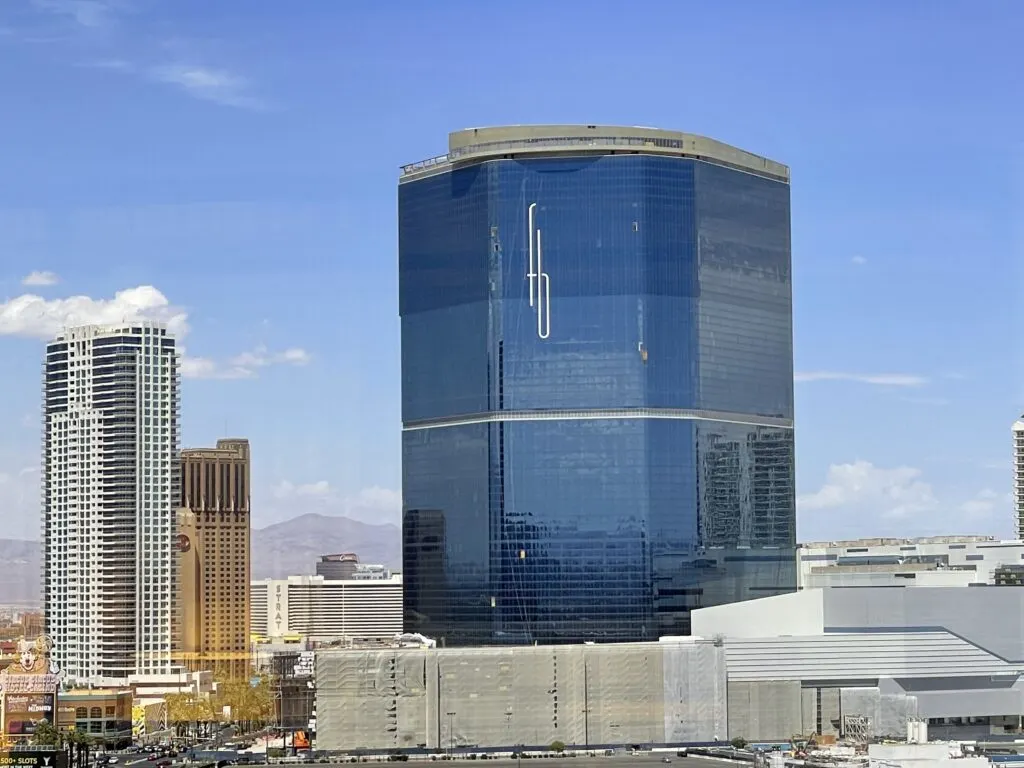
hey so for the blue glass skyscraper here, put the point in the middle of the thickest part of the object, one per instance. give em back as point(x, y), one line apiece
point(597, 383)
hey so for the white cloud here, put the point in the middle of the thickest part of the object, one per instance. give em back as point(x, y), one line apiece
point(36, 317)
point(243, 366)
point(40, 278)
point(859, 499)
point(898, 492)
point(116, 65)
point(216, 85)
point(287, 490)
point(369, 505)
point(858, 261)
point(984, 506)
point(261, 358)
point(879, 379)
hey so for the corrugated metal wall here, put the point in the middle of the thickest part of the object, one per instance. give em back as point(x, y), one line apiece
point(763, 711)
point(580, 695)
point(376, 698)
point(887, 714)
point(858, 656)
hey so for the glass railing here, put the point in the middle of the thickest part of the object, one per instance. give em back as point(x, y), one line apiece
point(561, 141)
point(424, 165)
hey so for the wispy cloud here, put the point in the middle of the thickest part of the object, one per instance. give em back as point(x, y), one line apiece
point(40, 278)
point(115, 65)
point(244, 366)
point(216, 85)
point(878, 379)
point(985, 503)
point(858, 261)
point(179, 69)
point(86, 13)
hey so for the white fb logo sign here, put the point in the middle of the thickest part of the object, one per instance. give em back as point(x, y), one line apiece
point(540, 282)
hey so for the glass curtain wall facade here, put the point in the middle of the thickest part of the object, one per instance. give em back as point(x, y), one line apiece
point(597, 395)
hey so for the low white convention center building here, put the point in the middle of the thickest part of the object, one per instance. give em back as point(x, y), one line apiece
point(868, 660)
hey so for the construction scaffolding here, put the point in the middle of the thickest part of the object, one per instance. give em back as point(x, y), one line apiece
point(580, 695)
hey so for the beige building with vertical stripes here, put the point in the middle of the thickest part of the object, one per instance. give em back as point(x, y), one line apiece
point(214, 559)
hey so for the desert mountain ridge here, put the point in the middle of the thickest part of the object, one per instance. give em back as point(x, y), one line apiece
point(288, 548)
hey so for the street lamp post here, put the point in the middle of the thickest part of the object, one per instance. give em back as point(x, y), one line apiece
point(451, 734)
point(586, 708)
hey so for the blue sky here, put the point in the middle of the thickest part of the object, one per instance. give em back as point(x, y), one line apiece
point(239, 159)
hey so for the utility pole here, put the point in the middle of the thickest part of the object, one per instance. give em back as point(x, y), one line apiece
point(451, 735)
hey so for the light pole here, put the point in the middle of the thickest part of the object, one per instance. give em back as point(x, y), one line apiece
point(451, 734)
point(586, 708)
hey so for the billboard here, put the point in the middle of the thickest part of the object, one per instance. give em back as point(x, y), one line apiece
point(24, 711)
point(138, 721)
point(28, 688)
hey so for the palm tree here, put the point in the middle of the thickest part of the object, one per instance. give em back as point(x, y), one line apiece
point(46, 735)
point(78, 747)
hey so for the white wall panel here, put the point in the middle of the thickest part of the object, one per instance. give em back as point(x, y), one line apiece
point(858, 656)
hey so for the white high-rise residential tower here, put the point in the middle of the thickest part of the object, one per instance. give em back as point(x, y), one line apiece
point(1018, 475)
point(110, 496)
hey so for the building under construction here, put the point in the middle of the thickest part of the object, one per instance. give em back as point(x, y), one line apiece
point(841, 663)
point(402, 698)
point(294, 692)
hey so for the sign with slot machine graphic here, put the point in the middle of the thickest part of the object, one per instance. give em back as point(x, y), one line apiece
point(28, 691)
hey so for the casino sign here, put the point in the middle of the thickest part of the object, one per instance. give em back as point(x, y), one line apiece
point(33, 758)
point(28, 690)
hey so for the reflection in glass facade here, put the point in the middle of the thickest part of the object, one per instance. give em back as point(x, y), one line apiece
point(597, 393)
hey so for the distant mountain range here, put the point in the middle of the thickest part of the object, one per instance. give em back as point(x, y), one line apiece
point(283, 549)
point(294, 546)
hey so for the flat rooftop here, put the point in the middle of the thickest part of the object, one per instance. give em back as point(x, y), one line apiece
point(477, 145)
point(893, 542)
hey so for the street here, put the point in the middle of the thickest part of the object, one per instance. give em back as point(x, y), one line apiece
point(648, 760)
